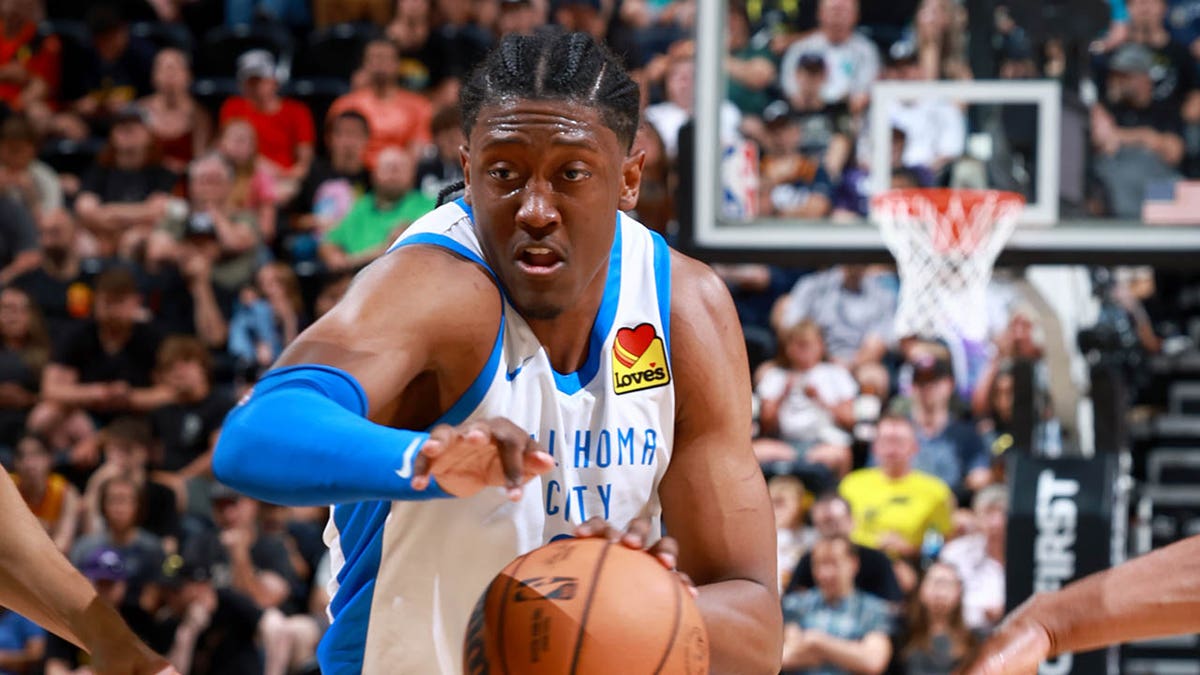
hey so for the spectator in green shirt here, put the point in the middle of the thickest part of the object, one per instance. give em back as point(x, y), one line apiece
point(750, 66)
point(377, 217)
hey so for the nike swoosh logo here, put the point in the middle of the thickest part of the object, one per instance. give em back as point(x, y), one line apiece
point(510, 375)
point(406, 467)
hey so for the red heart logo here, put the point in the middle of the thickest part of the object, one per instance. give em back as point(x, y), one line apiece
point(633, 342)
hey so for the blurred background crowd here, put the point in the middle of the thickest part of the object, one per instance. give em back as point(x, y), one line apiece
point(185, 185)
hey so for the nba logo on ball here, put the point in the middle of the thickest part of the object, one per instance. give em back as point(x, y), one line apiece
point(586, 607)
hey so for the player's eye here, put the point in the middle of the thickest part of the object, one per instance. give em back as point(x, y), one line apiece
point(503, 174)
point(574, 175)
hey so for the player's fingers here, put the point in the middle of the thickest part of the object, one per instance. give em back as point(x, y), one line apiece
point(420, 471)
point(510, 443)
point(537, 460)
point(597, 527)
point(636, 534)
point(687, 581)
point(440, 436)
point(476, 432)
point(667, 552)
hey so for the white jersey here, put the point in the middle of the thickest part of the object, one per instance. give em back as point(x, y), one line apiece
point(407, 574)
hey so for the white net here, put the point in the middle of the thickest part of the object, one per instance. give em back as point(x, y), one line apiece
point(945, 243)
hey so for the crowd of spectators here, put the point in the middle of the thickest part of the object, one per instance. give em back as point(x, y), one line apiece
point(186, 184)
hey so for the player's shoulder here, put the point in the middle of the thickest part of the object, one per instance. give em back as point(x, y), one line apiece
point(428, 288)
point(697, 291)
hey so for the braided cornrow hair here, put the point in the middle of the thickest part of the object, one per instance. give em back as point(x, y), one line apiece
point(552, 66)
point(555, 66)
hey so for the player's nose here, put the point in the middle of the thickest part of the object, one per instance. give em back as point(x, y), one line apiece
point(538, 210)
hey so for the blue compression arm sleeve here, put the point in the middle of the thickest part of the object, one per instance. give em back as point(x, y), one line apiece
point(302, 439)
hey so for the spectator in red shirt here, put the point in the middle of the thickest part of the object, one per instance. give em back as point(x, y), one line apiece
point(395, 116)
point(29, 62)
point(284, 126)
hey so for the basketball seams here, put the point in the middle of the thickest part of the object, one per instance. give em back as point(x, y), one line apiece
point(587, 607)
point(674, 629)
point(501, 647)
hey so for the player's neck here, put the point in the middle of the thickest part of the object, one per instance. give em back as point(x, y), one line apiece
point(566, 336)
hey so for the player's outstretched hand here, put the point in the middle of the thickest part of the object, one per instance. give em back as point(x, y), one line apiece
point(1017, 647)
point(666, 549)
point(126, 655)
point(467, 458)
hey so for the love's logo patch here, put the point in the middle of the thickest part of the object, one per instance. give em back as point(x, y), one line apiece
point(639, 360)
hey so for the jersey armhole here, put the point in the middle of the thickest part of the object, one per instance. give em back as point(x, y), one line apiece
point(458, 412)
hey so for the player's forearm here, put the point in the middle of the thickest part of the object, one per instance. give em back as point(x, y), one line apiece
point(745, 627)
point(1155, 595)
point(36, 581)
point(302, 440)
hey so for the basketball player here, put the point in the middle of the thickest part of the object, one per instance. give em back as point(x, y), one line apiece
point(575, 372)
point(1155, 595)
point(37, 582)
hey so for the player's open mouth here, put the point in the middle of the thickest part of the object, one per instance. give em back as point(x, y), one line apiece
point(539, 260)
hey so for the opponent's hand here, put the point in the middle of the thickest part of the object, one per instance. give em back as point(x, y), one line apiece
point(467, 458)
point(1017, 647)
point(665, 550)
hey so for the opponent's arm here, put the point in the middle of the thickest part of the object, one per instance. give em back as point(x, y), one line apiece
point(1155, 595)
point(713, 495)
point(37, 582)
point(313, 432)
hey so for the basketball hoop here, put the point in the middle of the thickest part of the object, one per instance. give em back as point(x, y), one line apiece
point(945, 242)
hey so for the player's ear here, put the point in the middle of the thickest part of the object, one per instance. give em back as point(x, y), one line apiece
point(631, 179)
point(464, 157)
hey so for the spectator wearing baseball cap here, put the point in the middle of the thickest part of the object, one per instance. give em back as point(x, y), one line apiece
point(284, 126)
point(217, 627)
point(950, 449)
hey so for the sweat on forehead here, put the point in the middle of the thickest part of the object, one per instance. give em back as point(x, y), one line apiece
point(569, 67)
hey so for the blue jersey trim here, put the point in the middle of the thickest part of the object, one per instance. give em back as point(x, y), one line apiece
point(473, 396)
point(462, 204)
point(662, 280)
point(570, 383)
point(360, 530)
point(435, 239)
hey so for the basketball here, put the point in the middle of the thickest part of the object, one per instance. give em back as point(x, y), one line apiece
point(588, 607)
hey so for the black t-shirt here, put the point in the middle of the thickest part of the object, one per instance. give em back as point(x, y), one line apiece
point(875, 575)
point(818, 128)
point(16, 368)
point(185, 428)
point(433, 174)
point(134, 363)
point(1174, 73)
point(121, 186)
point(125, 78)
point(65, 303)
point(308, 197)
point(1161, 117)
point(227, 646)
point(459, 48)
point(268, 553)
point(17, 231)
point(160, 510)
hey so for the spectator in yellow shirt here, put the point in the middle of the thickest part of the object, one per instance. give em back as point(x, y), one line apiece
point(893, 504)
